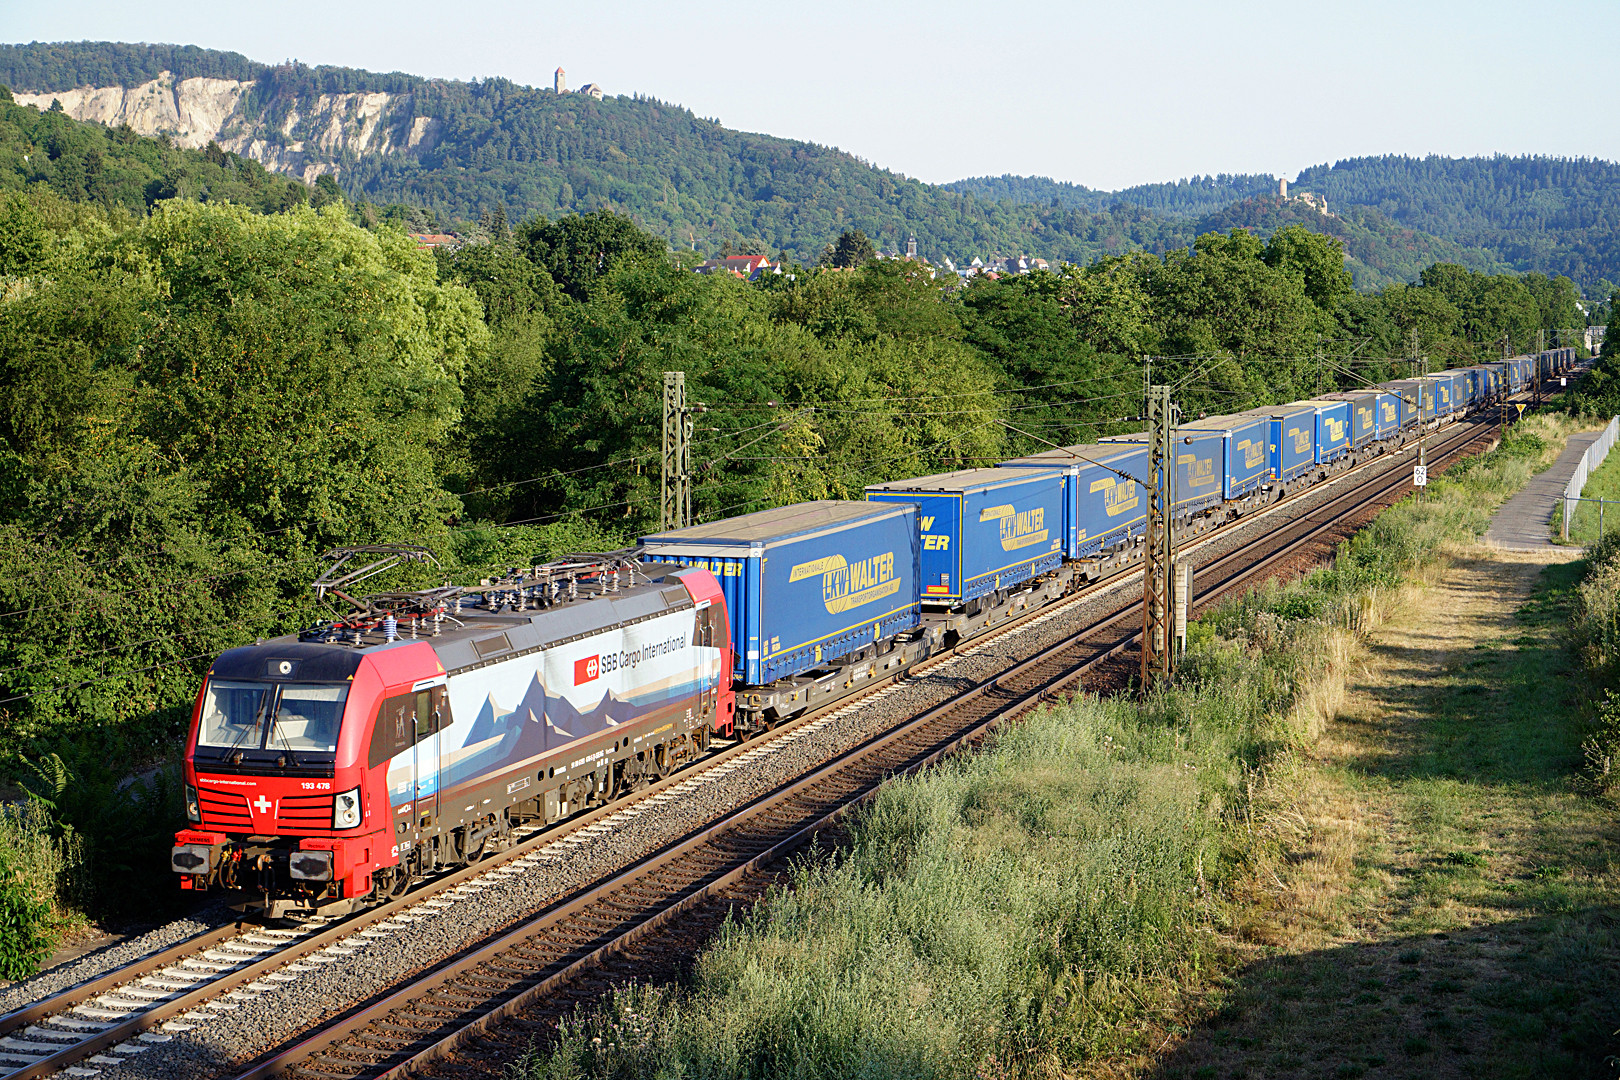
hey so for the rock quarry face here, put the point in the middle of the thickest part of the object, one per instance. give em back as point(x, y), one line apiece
point(312, 138)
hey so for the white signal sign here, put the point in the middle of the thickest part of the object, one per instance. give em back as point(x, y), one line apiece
point(1420, 476)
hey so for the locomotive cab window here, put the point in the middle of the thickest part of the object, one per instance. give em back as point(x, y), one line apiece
point(308, 717)
point(233, 715)
point(289, 721)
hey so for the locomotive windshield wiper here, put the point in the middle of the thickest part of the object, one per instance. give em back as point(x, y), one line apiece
point(250, 729)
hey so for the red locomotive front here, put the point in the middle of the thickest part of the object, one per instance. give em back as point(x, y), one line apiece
point(278, 789)
point(330, 768)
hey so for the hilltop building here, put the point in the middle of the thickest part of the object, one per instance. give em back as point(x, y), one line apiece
point(559, 84)
point(1309, 198)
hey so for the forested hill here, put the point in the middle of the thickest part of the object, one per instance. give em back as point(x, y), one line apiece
point(1193, 197)
point(1554, 215)
point(1550, 215)
point(465, 149)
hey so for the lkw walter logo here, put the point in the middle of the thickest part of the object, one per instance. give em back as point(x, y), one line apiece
point(846, 585)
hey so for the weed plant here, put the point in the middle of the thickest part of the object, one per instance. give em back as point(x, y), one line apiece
point(42, 873)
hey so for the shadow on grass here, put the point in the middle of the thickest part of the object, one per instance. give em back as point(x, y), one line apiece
point(1496, 920)
point(1537, 997)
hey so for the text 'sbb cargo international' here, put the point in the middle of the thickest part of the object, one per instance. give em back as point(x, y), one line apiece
point(982, 529)
point(805, 583)
point(1101, 507)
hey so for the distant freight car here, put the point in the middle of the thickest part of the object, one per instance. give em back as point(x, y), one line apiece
point(1333, 429)
point(1198, 477)
point(805, 583)
point(1460, 382)
point(1291, 443)
point(1101, 508)
point(1362, 413)
point(982, 530)
point(1417, 400)
point(1245, 462)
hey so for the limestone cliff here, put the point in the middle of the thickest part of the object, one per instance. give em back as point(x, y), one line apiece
point(304, 138)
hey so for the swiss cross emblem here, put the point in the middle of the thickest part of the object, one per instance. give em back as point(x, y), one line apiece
point(263, 805)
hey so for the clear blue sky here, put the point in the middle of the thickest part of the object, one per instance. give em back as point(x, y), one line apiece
point(1102, 94)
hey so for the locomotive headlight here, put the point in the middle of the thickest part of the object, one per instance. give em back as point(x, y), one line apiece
point(310, 865)
point(193, 807)
point(346, 810)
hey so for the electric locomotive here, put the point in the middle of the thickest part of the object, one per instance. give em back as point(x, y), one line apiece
point(328, 769)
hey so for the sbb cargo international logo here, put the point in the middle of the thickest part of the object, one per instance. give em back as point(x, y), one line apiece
point(587, 670)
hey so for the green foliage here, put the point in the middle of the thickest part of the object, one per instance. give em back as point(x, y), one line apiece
point(527, 151)
point(1594, 636)
point(116, 169)
point(851, 250)
point(24, 936)
point(41, 875)
point(125, 824)
point(1395, 215)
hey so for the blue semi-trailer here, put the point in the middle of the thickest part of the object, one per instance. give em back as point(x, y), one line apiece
point(982, 530)
point(1101, 507)
point(806, 583)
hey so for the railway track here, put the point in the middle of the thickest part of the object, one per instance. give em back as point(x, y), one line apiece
point(108, 1020)
point(443, 1008)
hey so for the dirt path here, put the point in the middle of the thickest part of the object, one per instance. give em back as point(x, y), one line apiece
point(1454, 910)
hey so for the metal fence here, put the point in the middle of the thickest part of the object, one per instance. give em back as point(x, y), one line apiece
point(1584, 468)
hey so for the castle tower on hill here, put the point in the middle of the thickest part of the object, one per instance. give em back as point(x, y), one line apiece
point(559, 81)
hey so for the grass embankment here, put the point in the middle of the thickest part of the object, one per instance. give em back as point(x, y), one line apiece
point(1604, 483)
point(1062, 900)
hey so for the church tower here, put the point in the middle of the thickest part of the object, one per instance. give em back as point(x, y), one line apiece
point(559, 81)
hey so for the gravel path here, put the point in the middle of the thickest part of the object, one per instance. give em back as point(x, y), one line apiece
point(247, 1022)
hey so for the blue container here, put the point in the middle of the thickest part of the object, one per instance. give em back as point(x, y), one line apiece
point(1362, 409)
point(1199, 476)
point(1388, 414)
point(1245, 460)
point(982, 529)
point(1100, 507)
point(805, 583)
point(1461, 384)
point(1333, 429)
point(1291, 444)
point(1417, 399)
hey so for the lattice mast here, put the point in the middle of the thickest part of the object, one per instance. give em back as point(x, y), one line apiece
point(1157, 594)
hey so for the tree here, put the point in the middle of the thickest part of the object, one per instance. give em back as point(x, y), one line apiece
point(852, 249)
point(326, 191)
point(1316, 261)
point(580, 249)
